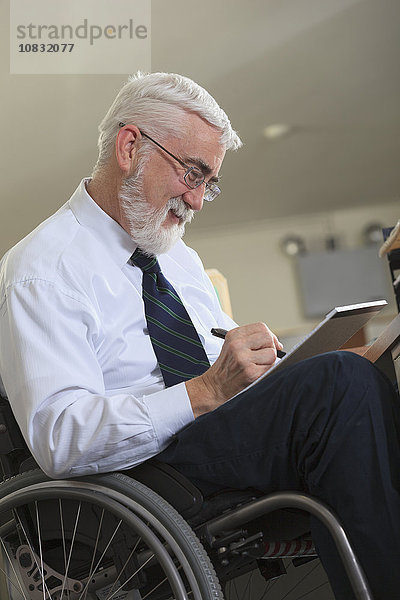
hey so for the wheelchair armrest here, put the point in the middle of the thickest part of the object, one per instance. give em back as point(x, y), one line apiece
point(170, 485)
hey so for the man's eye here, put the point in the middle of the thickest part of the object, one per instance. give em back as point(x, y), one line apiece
point(194, 175)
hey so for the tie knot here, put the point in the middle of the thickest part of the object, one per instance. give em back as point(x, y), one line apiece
point(148, 264)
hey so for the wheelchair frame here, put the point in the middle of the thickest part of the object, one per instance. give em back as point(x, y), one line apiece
point(225, 537)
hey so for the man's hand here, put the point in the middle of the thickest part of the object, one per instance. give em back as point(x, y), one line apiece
point(248, 352)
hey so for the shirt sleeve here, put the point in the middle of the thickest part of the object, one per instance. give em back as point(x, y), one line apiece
point(55, 385)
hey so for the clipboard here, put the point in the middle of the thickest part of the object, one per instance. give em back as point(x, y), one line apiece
point(339, 325)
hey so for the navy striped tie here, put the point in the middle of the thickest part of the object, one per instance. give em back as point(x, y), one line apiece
point(177, 346)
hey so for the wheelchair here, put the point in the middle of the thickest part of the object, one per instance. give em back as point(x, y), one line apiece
point(150, 535)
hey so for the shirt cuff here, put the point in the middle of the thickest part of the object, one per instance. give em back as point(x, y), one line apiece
point(170, 411)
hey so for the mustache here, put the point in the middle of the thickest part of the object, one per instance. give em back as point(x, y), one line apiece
point(180, 209)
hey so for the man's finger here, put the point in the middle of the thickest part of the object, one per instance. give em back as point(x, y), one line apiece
point(264, 356)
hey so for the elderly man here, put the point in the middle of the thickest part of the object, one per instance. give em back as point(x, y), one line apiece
point(107, 358)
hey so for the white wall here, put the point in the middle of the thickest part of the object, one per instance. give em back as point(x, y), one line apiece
point(261, 277)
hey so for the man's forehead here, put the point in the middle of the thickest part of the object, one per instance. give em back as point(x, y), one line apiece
point(201, 146)
point(206, 164)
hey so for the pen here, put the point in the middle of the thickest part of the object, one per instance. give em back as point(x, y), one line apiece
point(221, 333)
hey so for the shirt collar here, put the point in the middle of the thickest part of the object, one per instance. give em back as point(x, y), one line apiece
point(89, 214)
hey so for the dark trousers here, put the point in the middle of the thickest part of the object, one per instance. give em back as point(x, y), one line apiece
point(329, 426)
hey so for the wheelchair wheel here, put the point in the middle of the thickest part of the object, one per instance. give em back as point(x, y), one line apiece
point(306, 582)
point(99, 538)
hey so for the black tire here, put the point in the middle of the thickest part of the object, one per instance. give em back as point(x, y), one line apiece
point(149, 522)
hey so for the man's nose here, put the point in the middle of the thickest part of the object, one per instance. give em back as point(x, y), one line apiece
point(194, 197)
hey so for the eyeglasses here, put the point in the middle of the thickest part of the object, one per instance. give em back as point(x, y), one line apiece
point(193, 177)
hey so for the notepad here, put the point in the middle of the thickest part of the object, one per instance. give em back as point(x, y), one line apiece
point(339, 325)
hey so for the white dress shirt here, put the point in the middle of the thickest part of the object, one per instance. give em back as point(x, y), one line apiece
point(76, 360)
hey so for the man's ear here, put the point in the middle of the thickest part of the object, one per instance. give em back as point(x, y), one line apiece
point(126, 145)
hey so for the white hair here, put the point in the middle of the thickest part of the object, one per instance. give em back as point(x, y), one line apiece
point(156, 103)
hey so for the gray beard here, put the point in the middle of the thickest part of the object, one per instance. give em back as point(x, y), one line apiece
point(146, 222)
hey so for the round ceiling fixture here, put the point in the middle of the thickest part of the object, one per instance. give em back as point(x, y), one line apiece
point(372, 234)
point(293, 245)
point(277, 131)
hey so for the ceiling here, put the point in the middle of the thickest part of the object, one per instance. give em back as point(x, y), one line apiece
point(329, 68)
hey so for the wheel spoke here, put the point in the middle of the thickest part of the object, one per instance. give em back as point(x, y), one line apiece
point(131, 577)
point(155, 588)
point(40, 551)
point(63, 536)
point(249, 583)
point(91, 571)
point(252, 587)
point(32, 551)
point(300, 581)
point(78, 512)
point(123, 567)
point(270, 585)
point(75, 549)
point(158, 585)
point(13, 584)
point(236, 592)
point(321, 585)
point(101, 558)
point(14, 571)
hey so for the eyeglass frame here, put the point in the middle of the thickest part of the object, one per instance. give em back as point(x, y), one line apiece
point(211, 188)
